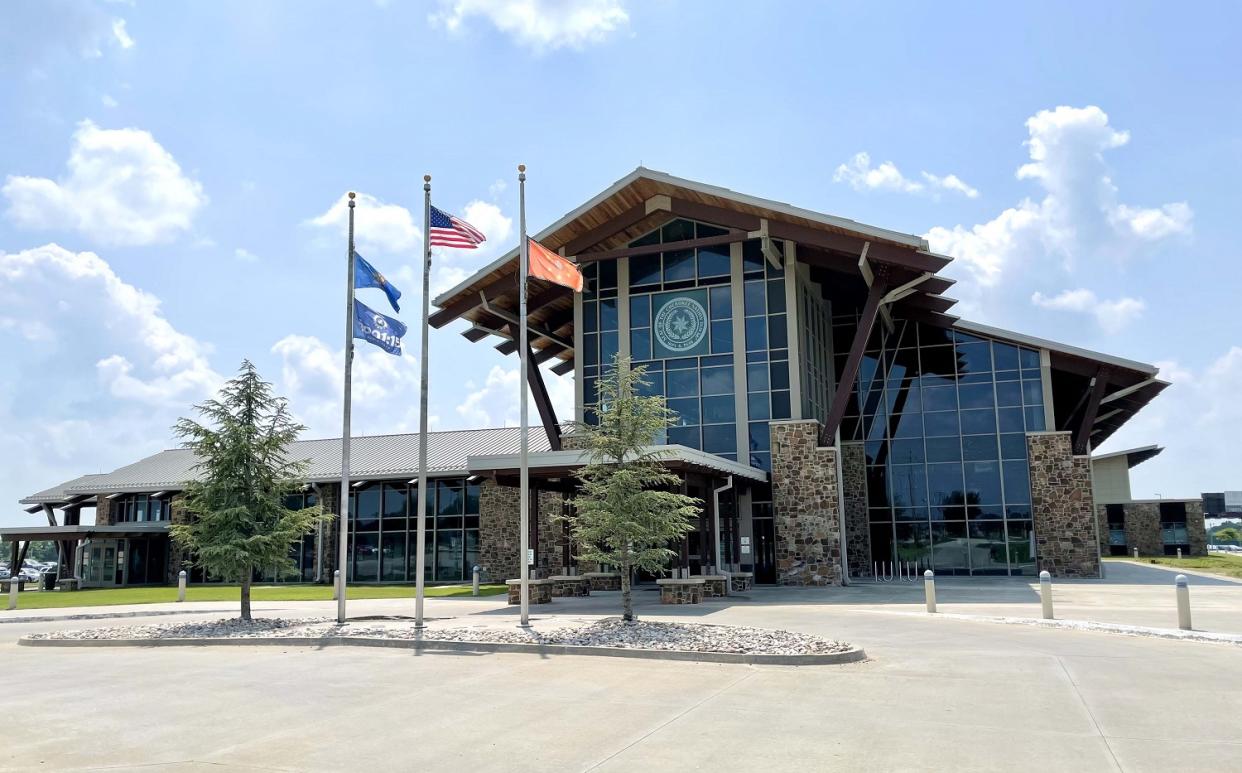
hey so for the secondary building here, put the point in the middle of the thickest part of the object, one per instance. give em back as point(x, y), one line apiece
point(1152, 527)
point(835, 419)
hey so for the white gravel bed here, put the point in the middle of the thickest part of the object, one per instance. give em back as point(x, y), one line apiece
point(646, 635)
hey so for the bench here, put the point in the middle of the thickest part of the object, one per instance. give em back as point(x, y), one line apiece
point(742, 581)
point(604, 580)
point(675, 590)
point(540, 591)
point(568, 586)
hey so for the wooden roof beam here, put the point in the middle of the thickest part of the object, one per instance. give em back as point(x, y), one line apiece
point(616, 225)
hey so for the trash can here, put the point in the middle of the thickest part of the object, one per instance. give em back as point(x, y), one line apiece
point(48, 581)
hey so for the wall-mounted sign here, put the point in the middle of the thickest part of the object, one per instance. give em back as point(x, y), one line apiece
point(679, 324)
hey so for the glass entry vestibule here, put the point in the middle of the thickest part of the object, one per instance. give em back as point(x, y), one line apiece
point(109, 563)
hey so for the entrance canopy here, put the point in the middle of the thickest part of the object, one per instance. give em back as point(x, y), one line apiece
point(556, 469)
point(59, 533)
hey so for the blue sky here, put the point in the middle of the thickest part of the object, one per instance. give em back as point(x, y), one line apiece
point(172, 176)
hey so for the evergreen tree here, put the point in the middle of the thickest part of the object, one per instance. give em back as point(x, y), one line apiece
point(238, 519)
point(625, 513)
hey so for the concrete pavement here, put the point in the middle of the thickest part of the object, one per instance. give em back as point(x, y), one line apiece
point(938, 694)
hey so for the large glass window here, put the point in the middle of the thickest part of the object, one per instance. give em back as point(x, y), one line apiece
point(943, 416)
point(139, 508)
point(384, 526)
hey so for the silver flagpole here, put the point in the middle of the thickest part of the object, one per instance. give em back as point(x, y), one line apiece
point(524, 474)
point(421, 543)
point(343, 529)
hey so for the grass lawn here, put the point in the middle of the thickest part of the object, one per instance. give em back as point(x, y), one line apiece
point(1225, 565)
point(99, 597)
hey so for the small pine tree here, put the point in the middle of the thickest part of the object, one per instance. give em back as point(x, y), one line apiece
point(625, 514)
point(238, 519)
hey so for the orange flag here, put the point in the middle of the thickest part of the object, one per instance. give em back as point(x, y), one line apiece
point(546, 264)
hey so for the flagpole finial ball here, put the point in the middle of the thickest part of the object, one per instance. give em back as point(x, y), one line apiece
point(351, 194)
point(521, 167)
point(426, 178)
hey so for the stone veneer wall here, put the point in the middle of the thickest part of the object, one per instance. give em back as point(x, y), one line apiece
point(103, 511)
point(806, 517)
point(1062, 505)
point(1143, 529)
point(499, 541)
point(550, 552)
point(1196, 528)
point(330, 499)
point(857, 527)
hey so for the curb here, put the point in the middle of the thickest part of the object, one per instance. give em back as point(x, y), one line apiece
point(109, 615)
point(1070, 624)
point(820, 659)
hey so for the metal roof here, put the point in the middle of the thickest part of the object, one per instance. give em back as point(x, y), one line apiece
point(573, 458)
point(1054, 346)
point(1134, 456)
point(373, 456)
point(58, 493)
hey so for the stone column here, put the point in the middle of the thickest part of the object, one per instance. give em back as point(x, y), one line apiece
point(1143, 529)
point(330, 499)
point(550, 553)
point(1062, 506)
point(499, 522)
point(103, 510)
point(857, 527)
point(1196, 529)
point(805, 507)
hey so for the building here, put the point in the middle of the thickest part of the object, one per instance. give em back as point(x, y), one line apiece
point(1223, 504)
point(1153, 527)
point(835, 418)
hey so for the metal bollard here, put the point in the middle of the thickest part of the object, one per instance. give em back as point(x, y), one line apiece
point(474, 588)
point(1183, 602)
point(1045, 593)
point(336, 585)
point(14, 585)
point(181, 586)
point(1136, 553)
point(929, 590)
point(1179, 553)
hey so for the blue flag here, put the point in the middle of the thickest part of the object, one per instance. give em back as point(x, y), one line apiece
point(365, 275)
point(371, 326)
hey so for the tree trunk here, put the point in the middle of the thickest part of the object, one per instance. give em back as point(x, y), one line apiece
point(245, 596)
point(627, 596)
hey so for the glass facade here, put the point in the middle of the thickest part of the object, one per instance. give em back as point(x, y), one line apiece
point(139, 508)
point(943, 416)
point(694, 362)
point(383, 531)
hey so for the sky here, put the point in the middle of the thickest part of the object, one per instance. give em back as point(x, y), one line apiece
point(172, 179)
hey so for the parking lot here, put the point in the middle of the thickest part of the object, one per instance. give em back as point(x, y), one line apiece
point(936, 693)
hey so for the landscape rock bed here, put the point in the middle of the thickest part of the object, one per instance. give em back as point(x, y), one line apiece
point(609, 633)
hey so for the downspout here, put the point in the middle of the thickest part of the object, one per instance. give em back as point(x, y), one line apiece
point(318, 537)
point(845, 561)
point(716, 492)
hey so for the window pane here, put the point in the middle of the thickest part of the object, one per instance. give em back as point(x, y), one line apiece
point(721, 438)
point(944, 449)
point(758, 406)
point(717, 381)
point(721, 303)
point(608, 314)
point(719, 409)
point(450, 556)
point(367, 502)
point(983, 484)
point(366, 557)
point(987, 547)
point(760, 440)
point(944, 482)
point(678, 265)
point(714, 261)
point(394, 506)
point(645, 269)
point(909, 485)
point(450, 499)
point(1013, 446)
point(722, 336)
point(640, 344)
point(640, 311)
point(682, 383)
point(687, 410)
point(393, 558)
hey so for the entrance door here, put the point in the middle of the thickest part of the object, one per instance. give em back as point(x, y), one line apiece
point(101, 568)
point(765, 551)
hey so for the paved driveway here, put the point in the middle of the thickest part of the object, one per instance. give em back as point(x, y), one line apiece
point(937, 694)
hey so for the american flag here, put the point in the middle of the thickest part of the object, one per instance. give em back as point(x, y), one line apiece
point(449, 231)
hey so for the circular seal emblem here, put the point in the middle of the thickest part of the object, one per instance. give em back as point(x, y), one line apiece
point(681, 324)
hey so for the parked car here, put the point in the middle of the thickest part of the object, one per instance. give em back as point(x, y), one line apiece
point(4, 573)
point(29, 574)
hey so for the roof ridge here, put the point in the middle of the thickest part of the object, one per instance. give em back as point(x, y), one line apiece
point(363, 437)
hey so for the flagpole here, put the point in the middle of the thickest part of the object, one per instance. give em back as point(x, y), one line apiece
point(421, 543)
point(343, 530)
point(524, 576)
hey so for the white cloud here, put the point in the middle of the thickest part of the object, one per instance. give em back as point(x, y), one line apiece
point(1079, 213)
point(862, 176)
point(1197, 419)
point(108, 101)
point(377, 226)
point(95, 373)
point(123, 188)
point(1112, 315)
point(495, 403)
point(540, 24)
point(241, 253)
point(122, 34)
point(384, 387)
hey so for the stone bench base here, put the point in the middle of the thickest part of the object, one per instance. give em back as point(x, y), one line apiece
point(604, 580)
point(715, 585)
point(742, 581)
point(679, 591)
point(567, 586)
point(540, 591)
